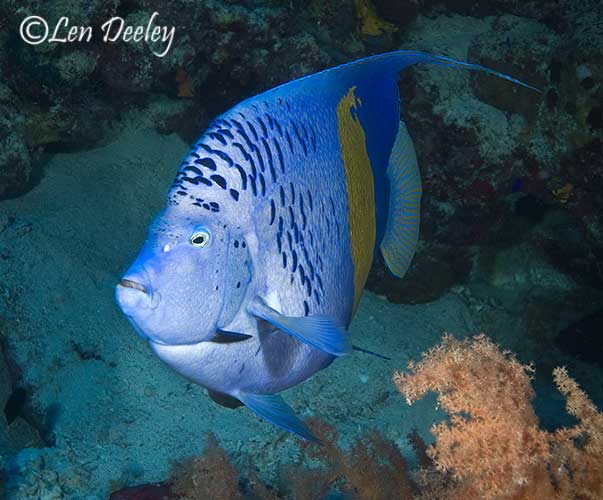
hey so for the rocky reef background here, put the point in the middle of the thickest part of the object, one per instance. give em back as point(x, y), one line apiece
point(512, 215)
point(495, 158)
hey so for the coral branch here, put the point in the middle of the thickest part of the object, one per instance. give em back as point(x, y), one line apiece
point(492, 446)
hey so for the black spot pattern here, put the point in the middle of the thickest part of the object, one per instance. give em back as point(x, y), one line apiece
point(219, 180)
point(272, 212)
point(243, 176)
point(216, 135)
point(279, 153)
point(262, 185)
point(226, 132)
point(207, 162)
point(253, 131)
point(190, 180)
point(243, 153)
point(270, 160)
point(259, 157)
point(194, 170)
point(254, 188)
point(289, 241)
point(263, 126)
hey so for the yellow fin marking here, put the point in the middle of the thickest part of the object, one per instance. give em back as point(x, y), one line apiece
point(360, 188)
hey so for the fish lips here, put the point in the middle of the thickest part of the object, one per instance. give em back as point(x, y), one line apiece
point(134, 297)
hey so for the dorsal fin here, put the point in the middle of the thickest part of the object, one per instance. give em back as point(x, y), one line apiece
point(388, 64)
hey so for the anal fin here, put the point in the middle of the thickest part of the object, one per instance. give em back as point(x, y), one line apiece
point(402, 230)
point(273, 408)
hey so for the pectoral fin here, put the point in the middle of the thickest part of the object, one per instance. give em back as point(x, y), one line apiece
point(273, 408)
point(319, 331)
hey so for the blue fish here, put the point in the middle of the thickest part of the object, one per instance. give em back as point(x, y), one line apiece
point(251, 275)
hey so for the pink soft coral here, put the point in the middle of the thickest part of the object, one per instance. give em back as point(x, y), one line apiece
point(493, 448)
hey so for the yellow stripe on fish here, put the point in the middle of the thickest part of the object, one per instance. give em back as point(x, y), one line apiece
point(360, 189)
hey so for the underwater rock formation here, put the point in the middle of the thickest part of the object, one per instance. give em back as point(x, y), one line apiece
point(479, 139)
point(488, 149)
point(70, 95)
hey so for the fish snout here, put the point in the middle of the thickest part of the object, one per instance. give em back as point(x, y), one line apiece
point(134, 293)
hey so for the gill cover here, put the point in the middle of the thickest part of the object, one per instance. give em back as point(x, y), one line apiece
point(236, 279)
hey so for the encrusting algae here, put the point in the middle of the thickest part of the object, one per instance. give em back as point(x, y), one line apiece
point(370, 22)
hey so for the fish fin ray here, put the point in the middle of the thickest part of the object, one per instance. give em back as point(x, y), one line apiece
point(402, 229)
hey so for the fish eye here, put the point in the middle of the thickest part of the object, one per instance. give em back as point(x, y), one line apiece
point(200, 238)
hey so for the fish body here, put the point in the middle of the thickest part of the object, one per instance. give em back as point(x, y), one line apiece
point(251, 275)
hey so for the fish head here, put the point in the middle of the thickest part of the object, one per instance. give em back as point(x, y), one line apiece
point(174, 292)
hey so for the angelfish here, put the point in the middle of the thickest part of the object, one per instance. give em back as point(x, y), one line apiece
point(251, 275)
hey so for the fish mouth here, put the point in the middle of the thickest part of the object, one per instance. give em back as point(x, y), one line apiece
point(126, 283)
